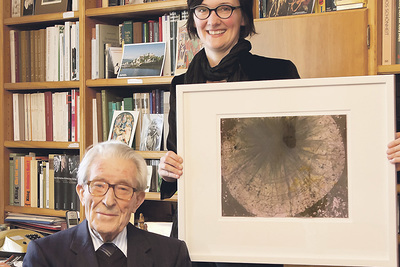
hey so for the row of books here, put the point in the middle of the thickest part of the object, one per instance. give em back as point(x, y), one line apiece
point(50, 54)
point(44, 181)
point(46, 116)
point(26, 8)
point(105, 39)
point(152, 108)
point(45, 225)
point(390, 32)
point(108, 3)
point(272, 8)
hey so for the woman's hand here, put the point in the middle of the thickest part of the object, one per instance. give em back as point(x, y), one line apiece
point(170, 167)
point(393, 152)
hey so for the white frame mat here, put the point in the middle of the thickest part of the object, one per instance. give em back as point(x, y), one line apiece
point(366, 237)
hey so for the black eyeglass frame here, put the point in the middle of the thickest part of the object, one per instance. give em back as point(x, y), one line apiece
point(113, 187)
point(215, 10)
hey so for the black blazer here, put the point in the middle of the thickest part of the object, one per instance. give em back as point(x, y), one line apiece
point(74, 247)
point(256, 68)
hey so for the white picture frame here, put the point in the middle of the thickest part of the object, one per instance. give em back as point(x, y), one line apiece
point(367, 236)
point(123, 126)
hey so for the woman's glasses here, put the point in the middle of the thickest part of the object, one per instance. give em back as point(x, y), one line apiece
point(222, 11)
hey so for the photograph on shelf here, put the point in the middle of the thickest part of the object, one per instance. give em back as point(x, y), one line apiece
point(186, 48)
point(28, 7)
point(123, 126)
point(151, 135)
point(143, 59)
point(277, 8)
point(113, 61)
point(50, 6)
point(288, 170)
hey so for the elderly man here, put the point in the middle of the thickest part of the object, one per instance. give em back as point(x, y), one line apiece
point(111, 184)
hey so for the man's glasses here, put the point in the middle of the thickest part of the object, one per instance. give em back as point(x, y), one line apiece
point(121, 191)
point(222, 11)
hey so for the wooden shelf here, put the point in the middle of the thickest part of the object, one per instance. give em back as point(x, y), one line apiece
point(36, 211)
point(156, 196)
point(41, 19)
point(41, 145)
point(155, 8)
point(137, 81)
point(41, 85)
point(389, 69)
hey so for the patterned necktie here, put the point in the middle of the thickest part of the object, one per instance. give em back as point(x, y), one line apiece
point(108, 249)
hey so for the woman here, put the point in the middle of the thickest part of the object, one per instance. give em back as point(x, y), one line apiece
point(222, 26)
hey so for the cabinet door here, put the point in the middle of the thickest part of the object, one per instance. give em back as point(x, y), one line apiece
point(330, 44)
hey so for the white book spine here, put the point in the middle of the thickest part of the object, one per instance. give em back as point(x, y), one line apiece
point(12, 56)
point(67, 60)
point(17, 136)
point(48, 53)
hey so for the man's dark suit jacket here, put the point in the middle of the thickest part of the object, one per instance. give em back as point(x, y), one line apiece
point(74, 247)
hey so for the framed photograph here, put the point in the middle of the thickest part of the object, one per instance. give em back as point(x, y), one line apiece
point(28, 7)
point(123, 126)
point(151, 135)
point(288, 171)
point(186, 48)
point(51, 6)
point(142, 59)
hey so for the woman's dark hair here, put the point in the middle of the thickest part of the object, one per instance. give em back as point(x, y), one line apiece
point(247, 13)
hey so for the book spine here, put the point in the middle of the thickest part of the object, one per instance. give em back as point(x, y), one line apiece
point(27, 182)
point(388, 32)
point(17, 181)
point(128, 31)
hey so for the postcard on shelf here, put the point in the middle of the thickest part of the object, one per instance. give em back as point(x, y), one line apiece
point(289, 7)
point(112, 61)
point(123, 126)
point(50, 6)
point(142, 59)
point(186, 48)
point(150, 138)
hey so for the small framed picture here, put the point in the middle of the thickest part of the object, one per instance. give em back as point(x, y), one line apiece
point(123, 126)
point(144, 59)
point(150, 138)
point(28, 7)
point(50, 6)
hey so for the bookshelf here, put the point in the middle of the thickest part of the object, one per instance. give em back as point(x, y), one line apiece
point(365, 43)
point(88, 15)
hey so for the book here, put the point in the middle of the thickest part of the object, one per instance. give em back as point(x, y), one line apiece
point(105, 34)
point(166, 108)
point(128, 31)
point(388, 32)
point(13, 49)
point(48, 107)
point(60, 116)
point(99, 117)
point(27, 181)
point(72, 201)
point(350, 6)
point(137, 32)
point(107, 97)
point(18, 117)
point(60, 172)
point(166, 29)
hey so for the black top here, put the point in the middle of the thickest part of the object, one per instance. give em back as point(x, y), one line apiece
point(256, 68)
